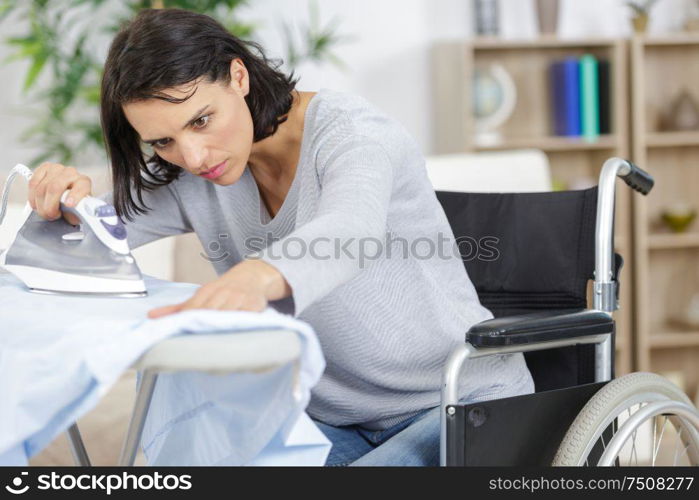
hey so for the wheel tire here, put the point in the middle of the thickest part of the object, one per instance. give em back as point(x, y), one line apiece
point(606, 405)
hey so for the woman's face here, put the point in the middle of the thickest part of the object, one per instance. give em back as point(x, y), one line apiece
point(210, 134)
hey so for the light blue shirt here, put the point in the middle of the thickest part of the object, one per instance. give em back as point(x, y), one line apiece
point(60, 354)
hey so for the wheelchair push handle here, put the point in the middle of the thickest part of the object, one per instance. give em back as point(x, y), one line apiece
point(638, 179)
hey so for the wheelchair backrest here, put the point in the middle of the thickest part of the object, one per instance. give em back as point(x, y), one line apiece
point(527, 252)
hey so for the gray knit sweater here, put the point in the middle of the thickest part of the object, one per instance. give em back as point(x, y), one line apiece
point(365, 246)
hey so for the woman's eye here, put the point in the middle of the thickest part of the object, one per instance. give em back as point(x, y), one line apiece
point(201, 122)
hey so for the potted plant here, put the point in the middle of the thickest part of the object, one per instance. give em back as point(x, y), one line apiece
point(63, 38)
point(641, 10)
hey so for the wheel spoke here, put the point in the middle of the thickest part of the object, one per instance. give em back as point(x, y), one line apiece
point(628, 412)
point(686, 454)
point(655, 434)
point(662, 431)
point(679, 439)
point(634, 451)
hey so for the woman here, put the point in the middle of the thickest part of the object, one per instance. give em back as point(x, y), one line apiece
point(316, 203)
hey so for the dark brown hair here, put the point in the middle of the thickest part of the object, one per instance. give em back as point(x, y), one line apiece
point(165, 48)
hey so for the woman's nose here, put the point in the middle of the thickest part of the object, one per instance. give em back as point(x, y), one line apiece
point(194, 156)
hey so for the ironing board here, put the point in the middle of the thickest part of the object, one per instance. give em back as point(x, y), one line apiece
point(241, 348)
point(255, 351)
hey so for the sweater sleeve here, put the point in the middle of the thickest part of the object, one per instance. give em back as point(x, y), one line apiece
point(165, 217)
point(348, 227)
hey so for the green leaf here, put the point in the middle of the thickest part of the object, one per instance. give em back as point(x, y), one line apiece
point(336, 61)
point(6, 7)
point(241, 30)
point(35, 130)
point(17, 40)
point(34, 71)
point(91, 94)
point(95, 3)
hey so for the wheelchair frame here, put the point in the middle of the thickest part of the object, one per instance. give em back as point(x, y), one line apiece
point(604, 299)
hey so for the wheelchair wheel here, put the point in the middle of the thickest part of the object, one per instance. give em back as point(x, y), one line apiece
point(625, 424)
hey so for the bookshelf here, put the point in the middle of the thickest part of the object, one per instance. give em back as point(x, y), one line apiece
point(530, 126)
point(667, 264)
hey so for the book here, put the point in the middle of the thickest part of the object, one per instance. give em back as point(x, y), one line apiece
point(605, 97)
point(565, 92)
point(589, 97)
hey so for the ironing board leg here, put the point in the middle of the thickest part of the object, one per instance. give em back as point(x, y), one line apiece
point(138, 418)
point(77, 448)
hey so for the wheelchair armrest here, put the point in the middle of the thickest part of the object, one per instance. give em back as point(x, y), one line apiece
point(539, 327)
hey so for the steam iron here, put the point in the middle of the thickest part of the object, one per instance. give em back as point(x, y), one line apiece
point(56, 257)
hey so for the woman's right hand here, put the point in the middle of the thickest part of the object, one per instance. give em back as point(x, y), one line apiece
point(48, 183)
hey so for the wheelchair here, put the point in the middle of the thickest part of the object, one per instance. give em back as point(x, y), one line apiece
point(579, 414)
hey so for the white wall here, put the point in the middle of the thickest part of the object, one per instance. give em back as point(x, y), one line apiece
point(387, 59)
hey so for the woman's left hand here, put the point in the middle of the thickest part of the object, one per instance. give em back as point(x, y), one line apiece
point(247, 286)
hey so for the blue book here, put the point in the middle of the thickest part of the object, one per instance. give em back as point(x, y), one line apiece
point(565, 92)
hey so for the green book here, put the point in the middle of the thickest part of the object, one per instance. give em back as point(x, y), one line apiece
point(589, 97)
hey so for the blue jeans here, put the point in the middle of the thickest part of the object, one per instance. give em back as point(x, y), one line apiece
point(414, 442)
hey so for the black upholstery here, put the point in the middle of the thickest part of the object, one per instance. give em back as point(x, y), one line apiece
point(539, 327)
point(535, 253)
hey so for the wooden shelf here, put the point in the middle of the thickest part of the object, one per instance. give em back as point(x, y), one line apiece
point(669, 40)
point(544, 42)
point(671, 241)
point(672, 139)
point(670, 339)
point(551, 144)
point(620, 344)
point(620, 243)
point(664, 262)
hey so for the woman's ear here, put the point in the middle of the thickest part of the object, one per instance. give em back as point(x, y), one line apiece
point(240, 80)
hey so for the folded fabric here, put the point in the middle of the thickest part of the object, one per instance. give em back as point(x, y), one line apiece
point(305, 444)
point(60, 354)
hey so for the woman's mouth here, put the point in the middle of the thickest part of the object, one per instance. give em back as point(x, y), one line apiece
point(214, 172)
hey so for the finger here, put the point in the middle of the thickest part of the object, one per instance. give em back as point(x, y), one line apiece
point(41, 177)
point(37, 176)
point(81, 188)
point(208, 297)
point(159, 312)
point(204, 294)
point(205, 299)
point(55, 189)
point(215, 302)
